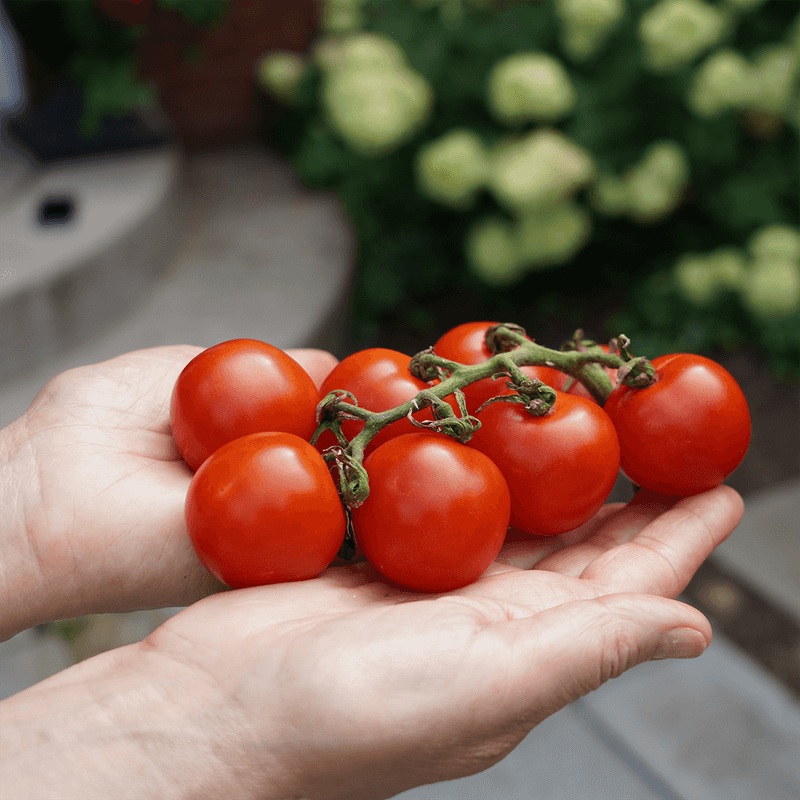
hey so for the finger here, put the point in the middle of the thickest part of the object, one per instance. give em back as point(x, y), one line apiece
point(665, 554)
point(317, 363)
point(524, 550)
point(615, 529)
point(541, 663)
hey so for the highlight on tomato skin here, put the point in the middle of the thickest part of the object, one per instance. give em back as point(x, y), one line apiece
point(560, 467)
point(238, 387)
point(264, 509)
point(685, 433)
point(437, 513)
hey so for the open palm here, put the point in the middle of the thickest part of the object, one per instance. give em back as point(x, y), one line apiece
point(379, 689)
point(101, 524)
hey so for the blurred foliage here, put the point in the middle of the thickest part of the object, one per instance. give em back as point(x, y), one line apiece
point(97, 49)
point(558, 151)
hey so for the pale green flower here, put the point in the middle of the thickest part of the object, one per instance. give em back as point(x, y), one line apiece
point(609, 196)
point(530, 87)
point(702, 278)
point(376, 111)
point(675, 32)
point(341, 16)
point(775, 242)
point(771, 289)
point(362, 50)
point(774, 79)
point(696, 279)
point(453, 168)
point(666, 161)
point(729, 265)
point(745, 5)
point(553, 235)
point(586, 24)
point(544, 167)
point(649, 200)
point(280, 72)
point(722, 81)
point(491, 252)
point(372, 51)
point(656, 185)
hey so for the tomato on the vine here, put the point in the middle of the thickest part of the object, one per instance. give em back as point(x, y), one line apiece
point(560, 467)
point(436, 515)
point(235, 388)
point(685, 433)
point(380, 380)
point(264, 509)
point(466, 344)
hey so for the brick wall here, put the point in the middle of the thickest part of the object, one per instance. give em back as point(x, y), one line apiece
point(207, 79)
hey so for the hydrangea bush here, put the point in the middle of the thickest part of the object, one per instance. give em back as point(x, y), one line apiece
point(644, 150)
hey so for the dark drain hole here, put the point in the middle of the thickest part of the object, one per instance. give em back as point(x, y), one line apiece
point(56, 211)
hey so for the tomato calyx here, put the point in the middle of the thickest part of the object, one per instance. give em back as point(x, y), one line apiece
point(353, 478)
point(638, 373)
point(505, 337)
point(444, 419)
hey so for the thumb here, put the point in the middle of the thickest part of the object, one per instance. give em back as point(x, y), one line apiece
point(317, 363)
point(570, 650)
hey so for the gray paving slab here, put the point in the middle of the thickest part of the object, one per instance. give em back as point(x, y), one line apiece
point(714, 728)
point(561, 759)
point(764, 550)
point(260, 258)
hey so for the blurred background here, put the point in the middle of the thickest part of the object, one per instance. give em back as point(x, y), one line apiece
point(357, 173)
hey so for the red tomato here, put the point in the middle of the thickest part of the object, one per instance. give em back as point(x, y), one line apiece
point(466, 344)
point(687, 432)
point(264, 509)
point(380, 380)
point(560, 467)
point(436, 515)
point(235, 388)
point(579, 389)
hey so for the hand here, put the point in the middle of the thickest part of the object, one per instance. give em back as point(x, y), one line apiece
point(345, 687)
point(366, 690)
point(99, 489)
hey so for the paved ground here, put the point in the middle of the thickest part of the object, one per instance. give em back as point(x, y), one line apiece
point(276, 260)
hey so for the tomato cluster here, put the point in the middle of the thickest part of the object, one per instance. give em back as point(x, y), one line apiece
point(263, 506)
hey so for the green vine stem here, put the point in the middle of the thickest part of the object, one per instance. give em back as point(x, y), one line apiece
point(512, 349)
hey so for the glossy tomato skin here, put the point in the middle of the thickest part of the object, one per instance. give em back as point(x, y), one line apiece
point(466, 344)
point(380, 379)
point(235, 388)
point(560, 467)
point(436, 515)
point(264, 509)
point(685, 433)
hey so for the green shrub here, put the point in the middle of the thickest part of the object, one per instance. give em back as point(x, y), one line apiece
point(567, 147)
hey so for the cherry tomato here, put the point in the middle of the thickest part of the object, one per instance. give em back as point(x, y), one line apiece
point(576, 387)
point(380, 380)
point(560, 467)
point(264, 509)
point(436, 515)
point(466, 344)
point(685, 433)
point(235, 388)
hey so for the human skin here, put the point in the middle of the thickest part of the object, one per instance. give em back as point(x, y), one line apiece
point(92, 490)
point(339, 687)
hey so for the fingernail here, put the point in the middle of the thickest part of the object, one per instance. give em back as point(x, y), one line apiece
point(680, 643)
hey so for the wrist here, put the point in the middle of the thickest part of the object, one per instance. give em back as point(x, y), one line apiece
point(135, 723)
point(22, 600)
